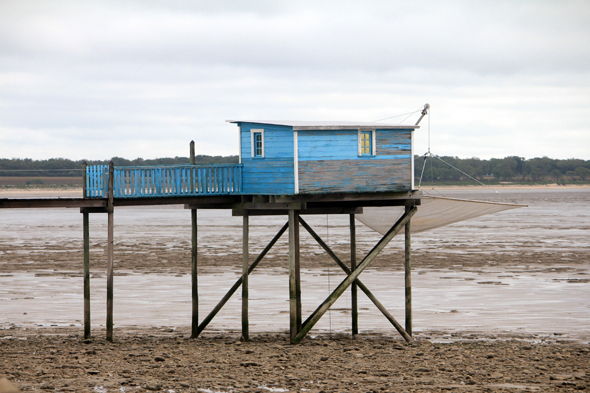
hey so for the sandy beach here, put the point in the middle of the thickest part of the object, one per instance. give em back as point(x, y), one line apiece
point(500, 303)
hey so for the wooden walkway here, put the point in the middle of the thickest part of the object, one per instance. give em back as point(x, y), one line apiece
point(216, 189)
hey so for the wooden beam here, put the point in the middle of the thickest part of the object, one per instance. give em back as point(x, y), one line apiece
point(322, 210)
point(353, 287)
point(110, 254)
point(408, 275)
point(245, 257)
point(86, 235)
point(94, 210)
point(194, 275)
point(40, 203)
point(341, 197)
point(321, 310)
point(294, 275)
point(359, 283)
point(238, 283)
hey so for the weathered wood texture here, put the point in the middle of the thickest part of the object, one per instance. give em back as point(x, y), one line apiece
point(245, 260)
point(86, 235)
point(194, 274)
point(353, 176)
point(294, 275)
point(353, 287)
point(408, 274)
point(110, 255)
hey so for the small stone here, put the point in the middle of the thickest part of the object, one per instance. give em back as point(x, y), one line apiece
point(7, 387)
point(159, 359)
point(250, 364)
point(92, 372)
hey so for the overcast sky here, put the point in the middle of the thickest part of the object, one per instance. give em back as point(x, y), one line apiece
point(97, 79)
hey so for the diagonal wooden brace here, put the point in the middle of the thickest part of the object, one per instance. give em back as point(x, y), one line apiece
point(358, 282)
point(235, 287)
point(321, 310)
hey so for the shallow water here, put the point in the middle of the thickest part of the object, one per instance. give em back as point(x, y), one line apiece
point(457, 298)
point(515, 300)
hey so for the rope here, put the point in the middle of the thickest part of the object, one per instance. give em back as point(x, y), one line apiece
point(429, 154)
point(403, 114)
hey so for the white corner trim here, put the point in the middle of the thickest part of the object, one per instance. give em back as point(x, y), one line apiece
point(358, 141)
point(240, 142)
point(412, 157)
point(252, 131)
point(296, 161)
point(374, 145)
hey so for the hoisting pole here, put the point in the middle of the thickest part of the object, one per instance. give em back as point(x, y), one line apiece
point(424, 113)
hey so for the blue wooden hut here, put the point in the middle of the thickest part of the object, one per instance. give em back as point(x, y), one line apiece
point(303, 157)
point(281, 158)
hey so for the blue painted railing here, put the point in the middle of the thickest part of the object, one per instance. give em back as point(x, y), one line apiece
point(164, 181)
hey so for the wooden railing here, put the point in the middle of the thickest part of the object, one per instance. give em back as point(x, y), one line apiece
point(164, 181)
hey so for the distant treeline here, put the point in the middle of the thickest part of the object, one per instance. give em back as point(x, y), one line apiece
point(437, 170)
point(61, 167)
point(508, 169)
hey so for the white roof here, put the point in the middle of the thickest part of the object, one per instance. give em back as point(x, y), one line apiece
point(327, 125)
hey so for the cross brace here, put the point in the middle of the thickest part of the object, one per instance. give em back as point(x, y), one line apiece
point(321, 310)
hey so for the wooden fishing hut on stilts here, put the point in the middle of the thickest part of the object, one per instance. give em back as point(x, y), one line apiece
point(286, 168)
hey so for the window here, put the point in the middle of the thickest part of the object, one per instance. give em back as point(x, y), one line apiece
point(257, 143)
point(366, 143)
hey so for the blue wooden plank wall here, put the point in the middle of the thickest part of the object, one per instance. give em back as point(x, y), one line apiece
point(329, 162)
point(272, 174)
point(164, 181)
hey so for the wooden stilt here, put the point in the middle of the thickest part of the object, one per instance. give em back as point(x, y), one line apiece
point(237, 284)
point(194, 274)
point(353, 287)
point(359, 283)
point(245, 255)
point(110, 253)
point(294, 275)
point(408, 275)
point(321, 310)
point(86, 230)
point(194, 266)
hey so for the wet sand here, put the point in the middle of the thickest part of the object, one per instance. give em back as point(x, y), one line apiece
point(501, 303)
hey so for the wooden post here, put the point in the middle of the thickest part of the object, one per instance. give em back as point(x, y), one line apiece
point(194, 274)
point(110, 253)
point(294, 275)
point(86, 230)
point(86, 241)
point(408, 275)
point(321, 310)
point(194, 265)
point(358, 282)
point(84, 180)
point(353, 287)
point(245, 257)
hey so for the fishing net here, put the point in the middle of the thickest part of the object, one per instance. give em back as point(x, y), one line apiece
point(434, 212)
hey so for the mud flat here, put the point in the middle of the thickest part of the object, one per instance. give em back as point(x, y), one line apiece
point(501, 303)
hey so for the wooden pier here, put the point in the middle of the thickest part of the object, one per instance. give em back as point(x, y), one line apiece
point(289, 169)
point(293, 208)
